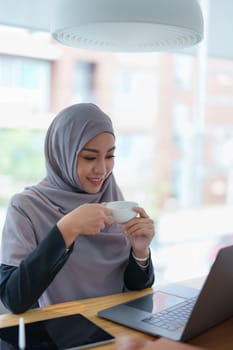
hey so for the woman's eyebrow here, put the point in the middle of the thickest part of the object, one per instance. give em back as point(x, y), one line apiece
point(96, 150)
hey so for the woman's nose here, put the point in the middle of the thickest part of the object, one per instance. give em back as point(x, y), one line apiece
point(100, 167)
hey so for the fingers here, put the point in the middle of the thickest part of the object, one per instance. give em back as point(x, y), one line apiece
point(91, 218)
point(140, 231)
point(141, 212)
point(138, 221)
point(103, 218)
point(108, 220)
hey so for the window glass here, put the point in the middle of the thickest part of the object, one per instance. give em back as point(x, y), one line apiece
point(174, 139)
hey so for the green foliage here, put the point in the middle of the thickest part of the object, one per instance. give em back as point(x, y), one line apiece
point(21, 154)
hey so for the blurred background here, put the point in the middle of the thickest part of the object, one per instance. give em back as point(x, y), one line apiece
point(173, 117)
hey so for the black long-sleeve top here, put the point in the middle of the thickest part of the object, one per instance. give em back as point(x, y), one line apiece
point(21, 287)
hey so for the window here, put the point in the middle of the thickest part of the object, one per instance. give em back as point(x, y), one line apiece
point(183, 71)
point(84, 82)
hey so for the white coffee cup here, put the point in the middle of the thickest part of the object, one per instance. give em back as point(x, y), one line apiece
point(122, 210)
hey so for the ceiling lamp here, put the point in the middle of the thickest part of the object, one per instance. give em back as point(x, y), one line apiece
point(127, 25)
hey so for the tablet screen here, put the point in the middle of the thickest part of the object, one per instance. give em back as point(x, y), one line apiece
point(66, 332)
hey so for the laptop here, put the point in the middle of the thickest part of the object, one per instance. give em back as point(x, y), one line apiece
point(180, 313)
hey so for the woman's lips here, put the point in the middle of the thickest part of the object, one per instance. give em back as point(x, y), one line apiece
point(95, 181)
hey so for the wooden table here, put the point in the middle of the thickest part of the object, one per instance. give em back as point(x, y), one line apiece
point(218, 338)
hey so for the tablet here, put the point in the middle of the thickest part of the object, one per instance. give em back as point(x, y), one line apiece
point(65, 332)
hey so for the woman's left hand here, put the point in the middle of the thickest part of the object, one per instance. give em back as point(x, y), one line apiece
point(140, 232)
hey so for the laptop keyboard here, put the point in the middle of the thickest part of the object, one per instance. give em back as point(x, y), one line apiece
point(172, 317)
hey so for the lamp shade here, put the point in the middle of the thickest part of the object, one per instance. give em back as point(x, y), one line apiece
point(127, 25)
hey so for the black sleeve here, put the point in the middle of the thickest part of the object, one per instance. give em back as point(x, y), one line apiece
point(20, 287)
point(136, 277)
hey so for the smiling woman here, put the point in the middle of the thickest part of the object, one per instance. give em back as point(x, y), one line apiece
point(59, 236)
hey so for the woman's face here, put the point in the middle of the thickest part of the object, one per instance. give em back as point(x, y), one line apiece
point(95, 162)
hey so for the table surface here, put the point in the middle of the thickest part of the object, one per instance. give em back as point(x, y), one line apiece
point(218, 338)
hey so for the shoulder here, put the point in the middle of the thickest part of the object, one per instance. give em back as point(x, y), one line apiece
point(22, 197)
point(25, 199)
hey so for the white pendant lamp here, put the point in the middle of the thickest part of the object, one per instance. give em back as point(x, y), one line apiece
point(127, 25)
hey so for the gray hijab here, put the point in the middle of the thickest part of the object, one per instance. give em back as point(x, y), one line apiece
point(96, 265)
point(67, 135)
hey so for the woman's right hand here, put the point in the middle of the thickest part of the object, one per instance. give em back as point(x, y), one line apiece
point(88, 219)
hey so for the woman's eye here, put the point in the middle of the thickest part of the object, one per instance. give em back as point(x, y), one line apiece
point(94, 158)
point(89, 158)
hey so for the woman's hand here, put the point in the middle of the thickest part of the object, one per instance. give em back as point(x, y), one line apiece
point(140, 232)
point(88, 219)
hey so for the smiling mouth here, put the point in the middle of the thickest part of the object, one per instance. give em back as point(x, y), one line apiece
point(95, 181)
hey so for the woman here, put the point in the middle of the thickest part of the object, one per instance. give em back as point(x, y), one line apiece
point(59, 242)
